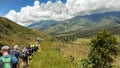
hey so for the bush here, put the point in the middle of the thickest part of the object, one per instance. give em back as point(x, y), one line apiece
point(103, 49)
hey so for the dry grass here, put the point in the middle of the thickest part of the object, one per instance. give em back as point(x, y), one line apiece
point(78, 49)
point(117, 62)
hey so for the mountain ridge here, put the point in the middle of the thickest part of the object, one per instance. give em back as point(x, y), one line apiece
point(42, 25)
point(82, 22)
point(75, 24)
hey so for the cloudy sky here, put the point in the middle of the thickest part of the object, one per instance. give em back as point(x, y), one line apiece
point(26, 12)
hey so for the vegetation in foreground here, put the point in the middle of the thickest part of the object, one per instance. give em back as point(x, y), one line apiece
point(103, 49)
point(50, 57)
point(69, 55)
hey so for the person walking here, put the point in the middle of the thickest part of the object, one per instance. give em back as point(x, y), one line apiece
point(7, 61)
point(15, 52)
point(24, 56)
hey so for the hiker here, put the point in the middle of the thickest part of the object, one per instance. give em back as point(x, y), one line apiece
point(15, 53)
point(36, 47)
point(7, 61)
point(24, 56)
point(32, 47)
point(39, 40)
point(29, 51)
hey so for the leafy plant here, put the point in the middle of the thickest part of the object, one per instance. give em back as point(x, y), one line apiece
point(103, 49)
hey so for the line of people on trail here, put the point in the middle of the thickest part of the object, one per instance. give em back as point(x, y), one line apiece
point(10, 57)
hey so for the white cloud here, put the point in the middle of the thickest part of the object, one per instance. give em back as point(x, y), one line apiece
point(60, 11)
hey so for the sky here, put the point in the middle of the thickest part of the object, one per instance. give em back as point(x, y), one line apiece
point(7, 5)
point(25, 12)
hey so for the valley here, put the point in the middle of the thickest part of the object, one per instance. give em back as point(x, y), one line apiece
point(60, 34)
point(67, 44)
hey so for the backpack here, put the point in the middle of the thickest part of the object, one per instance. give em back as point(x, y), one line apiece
point(15, 53)
point(6, 62)
point(36, 48)
point(29, 49)
point(24, 53)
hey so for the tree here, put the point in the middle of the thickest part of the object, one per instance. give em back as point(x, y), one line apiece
point(103, 49)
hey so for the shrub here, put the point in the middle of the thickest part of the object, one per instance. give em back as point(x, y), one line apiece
point(103, 49)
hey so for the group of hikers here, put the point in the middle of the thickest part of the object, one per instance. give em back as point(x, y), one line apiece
point(10, 57)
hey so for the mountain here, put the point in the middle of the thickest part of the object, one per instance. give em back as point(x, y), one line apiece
point(86, 22)
point(42, 25)
point(84, 26)
point(97, 17)
point(12, 33)
point(93, 21)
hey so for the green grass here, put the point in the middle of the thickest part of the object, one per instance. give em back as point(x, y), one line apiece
point(57, 54)
point(12, 34)
point(53, 57)
point(50, 57)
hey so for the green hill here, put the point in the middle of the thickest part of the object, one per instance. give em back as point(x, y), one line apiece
point(12, 33)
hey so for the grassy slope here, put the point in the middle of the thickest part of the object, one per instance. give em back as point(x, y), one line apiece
point(12, 33)
point(58, 55)
point(50, 57)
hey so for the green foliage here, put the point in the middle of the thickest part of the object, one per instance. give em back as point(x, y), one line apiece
point(86, 63)
point(103, 49)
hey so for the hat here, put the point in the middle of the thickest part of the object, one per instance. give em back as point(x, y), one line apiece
point(5, 48)
point(16, 47)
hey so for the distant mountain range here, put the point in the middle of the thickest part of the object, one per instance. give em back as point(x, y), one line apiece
point(97, 17)
point(42, 25)
point(78, 24)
